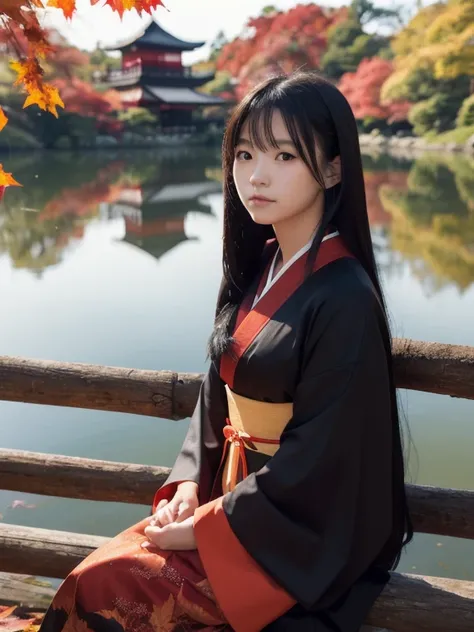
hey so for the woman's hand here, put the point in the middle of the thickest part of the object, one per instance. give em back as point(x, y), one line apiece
point(177, 536)
point(182, 506)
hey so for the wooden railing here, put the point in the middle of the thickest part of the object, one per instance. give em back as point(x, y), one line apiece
point(409, 603)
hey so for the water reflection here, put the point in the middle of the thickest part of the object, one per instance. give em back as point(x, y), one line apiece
point(421, 211)
point(40, 222)
point(155, 210)
point(427, 212)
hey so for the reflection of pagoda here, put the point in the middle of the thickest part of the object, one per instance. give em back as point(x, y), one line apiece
point(154, 215)
point(153, 76)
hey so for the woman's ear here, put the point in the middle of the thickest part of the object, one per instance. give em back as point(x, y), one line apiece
point(332, 174)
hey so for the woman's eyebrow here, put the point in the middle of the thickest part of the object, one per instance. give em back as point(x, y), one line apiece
point(285, 142)
point(245, 141)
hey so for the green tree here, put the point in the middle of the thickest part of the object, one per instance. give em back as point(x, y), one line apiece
point(364, 12)
point(434, 63)
point(436, 42)
point(465, 115)
point(222, 82)
point(138, 118)
point(434, 114)
point(349, 43)
point(217, 44)
point(269, 9)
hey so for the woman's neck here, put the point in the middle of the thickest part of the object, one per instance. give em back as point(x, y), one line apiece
point(294, 233)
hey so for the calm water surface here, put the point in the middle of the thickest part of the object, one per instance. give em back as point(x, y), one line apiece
point(115, 259)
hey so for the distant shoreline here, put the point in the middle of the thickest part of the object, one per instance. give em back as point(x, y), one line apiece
point(412, 145)
point(369, 143)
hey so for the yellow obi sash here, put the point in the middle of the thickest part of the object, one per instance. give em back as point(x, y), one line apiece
point(253, 424)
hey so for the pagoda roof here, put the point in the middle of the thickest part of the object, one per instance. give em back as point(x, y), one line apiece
point(180, 95)
point(185, 191)
point(157, 245)
point(156, 37)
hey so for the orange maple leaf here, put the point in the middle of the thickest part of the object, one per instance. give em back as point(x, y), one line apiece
point(29, 72)
point(7, 180)
point(115, 615)
point(68, 7)
point(148, 5)
point(6, 611)
point(47, 98)
point(44, 95)
point(37, 38)
point(163, 616)
point(120, 6)
point(3, 119)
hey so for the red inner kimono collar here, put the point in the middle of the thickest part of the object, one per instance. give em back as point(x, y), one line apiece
point(251, 321)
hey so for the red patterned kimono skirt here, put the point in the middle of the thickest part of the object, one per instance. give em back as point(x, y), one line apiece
point(122, 587)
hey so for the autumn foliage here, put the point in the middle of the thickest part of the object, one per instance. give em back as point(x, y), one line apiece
point(279, 42)
point(418, 65)
point(362, 89)
point(18, 619)
point(21, 30)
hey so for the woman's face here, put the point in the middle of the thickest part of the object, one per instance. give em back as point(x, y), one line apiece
point(275, 185)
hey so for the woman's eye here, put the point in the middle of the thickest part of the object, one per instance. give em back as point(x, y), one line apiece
point(285, 156)
point(243, 155)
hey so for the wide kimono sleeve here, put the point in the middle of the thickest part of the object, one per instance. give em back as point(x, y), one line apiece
point(200, 454)
point(307, 525)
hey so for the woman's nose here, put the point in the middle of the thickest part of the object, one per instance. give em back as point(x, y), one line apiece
point(259, 178)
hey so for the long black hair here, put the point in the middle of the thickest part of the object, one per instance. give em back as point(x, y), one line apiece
point(315, 113)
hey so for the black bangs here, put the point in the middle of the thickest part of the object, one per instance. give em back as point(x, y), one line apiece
point(258, 113)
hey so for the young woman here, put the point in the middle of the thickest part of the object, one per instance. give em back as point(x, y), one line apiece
point(286, 506)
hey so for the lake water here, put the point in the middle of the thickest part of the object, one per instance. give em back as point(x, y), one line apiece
point(114, 258)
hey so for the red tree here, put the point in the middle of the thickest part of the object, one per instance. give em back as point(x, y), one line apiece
point(362, 89)
point(82, 98)
point(279, 42)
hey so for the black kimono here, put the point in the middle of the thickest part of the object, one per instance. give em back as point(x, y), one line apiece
point(306, 540)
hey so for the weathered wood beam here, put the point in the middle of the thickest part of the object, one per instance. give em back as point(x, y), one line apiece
point(74, 477)
point(434, 510)
point(408, 604)
point(442, 511)
point(42, 551)
point(25, 590)
point(433, 367)
point(157, 393)
point(413, 603)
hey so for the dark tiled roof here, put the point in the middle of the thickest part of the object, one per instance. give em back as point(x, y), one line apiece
point(156, 37)
point(183, 95)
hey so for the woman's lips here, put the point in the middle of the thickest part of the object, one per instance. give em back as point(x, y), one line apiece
point(260, 200)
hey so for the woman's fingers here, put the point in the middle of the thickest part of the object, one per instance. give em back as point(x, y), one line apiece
point(179, 537)
point(155, 517)
point(176, 510)
point(158, 536)
point(167, 514)
point(185, 511)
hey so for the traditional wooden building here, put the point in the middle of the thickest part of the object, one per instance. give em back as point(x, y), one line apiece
point(153, 76)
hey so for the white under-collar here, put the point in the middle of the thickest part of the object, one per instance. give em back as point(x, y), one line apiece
point(271, 280)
